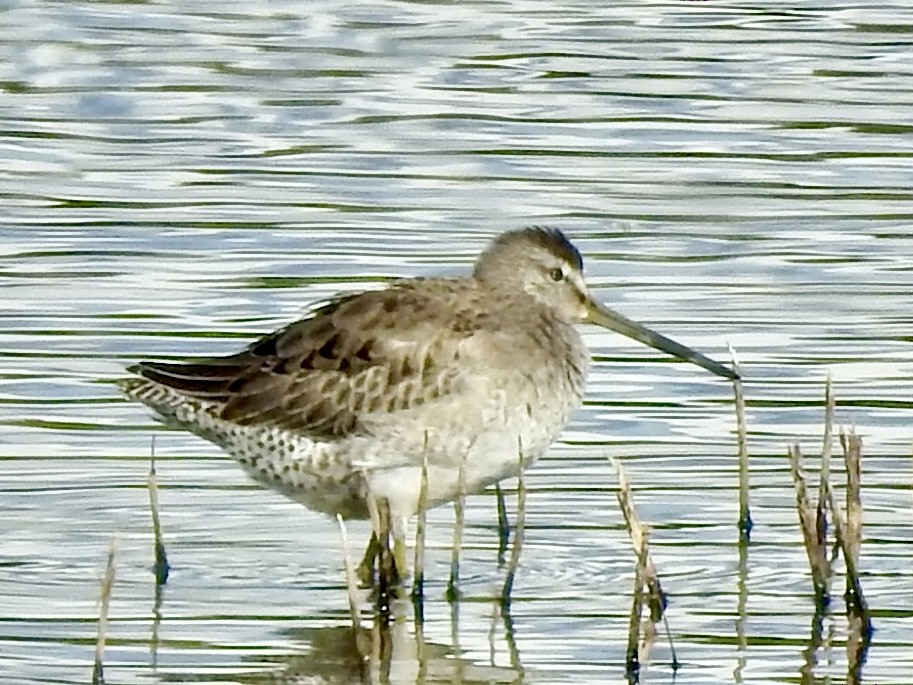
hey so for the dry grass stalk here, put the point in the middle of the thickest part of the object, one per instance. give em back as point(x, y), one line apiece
point(645, 575)
point(459, 510)
point(745, 522)
point(351, 577)
point(826, 448)
point(418, 585)
point(632, 654)
point(848, 537)
point(637, 533)
point(519, 533)
point(104, 603)
point(815, 548)
point(856, 603)
point(848, 530)
point(161, 566)
point(852, 457)
point(370, 563)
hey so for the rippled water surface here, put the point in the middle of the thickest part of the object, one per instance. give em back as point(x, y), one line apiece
point(178, 178)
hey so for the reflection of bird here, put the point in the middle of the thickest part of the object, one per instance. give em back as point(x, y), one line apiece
point(350, 398)
point(391, 652)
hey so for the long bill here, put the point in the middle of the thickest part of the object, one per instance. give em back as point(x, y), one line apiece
point(602, 316)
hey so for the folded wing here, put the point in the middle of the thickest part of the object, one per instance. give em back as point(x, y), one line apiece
point(328, 375)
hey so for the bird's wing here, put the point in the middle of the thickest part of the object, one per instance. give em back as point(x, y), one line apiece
point(372, 353)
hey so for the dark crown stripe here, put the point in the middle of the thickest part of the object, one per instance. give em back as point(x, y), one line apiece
point(555, 241)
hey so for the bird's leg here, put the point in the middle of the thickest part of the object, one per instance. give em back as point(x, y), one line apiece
point(387, 575)
point(365, 569)
point(503, 525)
point(453, 583)
point(518, 533)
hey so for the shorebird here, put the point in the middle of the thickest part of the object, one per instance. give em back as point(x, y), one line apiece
point(482, 370)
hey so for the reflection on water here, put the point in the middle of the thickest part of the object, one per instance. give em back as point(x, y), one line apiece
point(394, 652)
point(182, 177)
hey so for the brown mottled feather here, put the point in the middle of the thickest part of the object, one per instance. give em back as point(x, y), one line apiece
point(371, 353)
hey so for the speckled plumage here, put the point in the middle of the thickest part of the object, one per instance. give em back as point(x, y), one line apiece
point(349, 398)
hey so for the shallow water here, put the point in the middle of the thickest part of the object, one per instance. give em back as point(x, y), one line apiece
point(179, 178)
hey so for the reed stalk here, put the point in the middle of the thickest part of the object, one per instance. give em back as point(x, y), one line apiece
point(815, 547)
point(826, 450)
point(459, 510)
point(418, 584)
point(104, 604)
point(351, 577)
point(745, 523)
point(648, 576)
point(632, 653)
point(161, 566)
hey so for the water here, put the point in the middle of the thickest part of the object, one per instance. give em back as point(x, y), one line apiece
point(179, 178)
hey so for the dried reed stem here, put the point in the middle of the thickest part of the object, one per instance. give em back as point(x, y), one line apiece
point(815, 548)
point(826, 449)
point(645, 574)
point(745, 523)
point(855, 600)
point(849, 536)
point(852, 457)
point(459, 510)
point(418, 585)
point(632, 653)
point(104, 603)
point(351, 577)
point(161, 567)
point(637, 532)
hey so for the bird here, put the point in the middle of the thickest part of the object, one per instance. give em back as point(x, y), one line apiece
point(479, 372)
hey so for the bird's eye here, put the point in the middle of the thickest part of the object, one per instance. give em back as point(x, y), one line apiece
point(556, 275)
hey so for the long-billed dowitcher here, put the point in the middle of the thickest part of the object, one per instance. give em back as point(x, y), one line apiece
point(348, 400)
